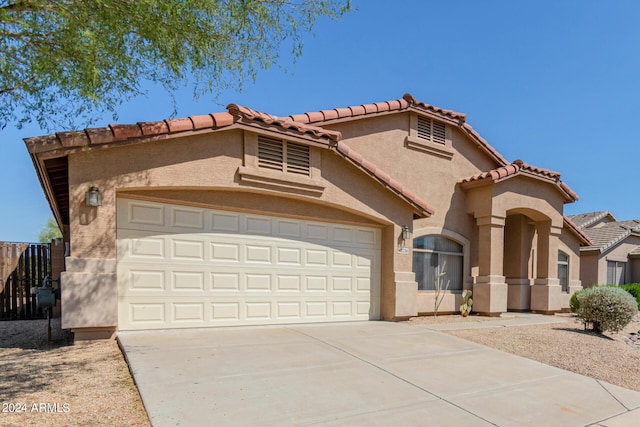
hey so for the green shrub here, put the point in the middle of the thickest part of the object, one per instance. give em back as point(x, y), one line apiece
point(606, 308)
point(634, 290)
point(574, 304)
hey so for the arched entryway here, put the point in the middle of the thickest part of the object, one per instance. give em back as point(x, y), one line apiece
point(530, 261)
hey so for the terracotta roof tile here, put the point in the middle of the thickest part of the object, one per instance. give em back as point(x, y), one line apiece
point(385, 179)
point(201, 122)
point(41, 144)
point(520, 167)
point(329, 114)
point(121, 132)
point(221, 119)
point(377, 107)
point(153, 128)
point(316, 116)
point(100, 135)
point(286, 123)
point(73, 138)
point(357, 110)
point(179, 125)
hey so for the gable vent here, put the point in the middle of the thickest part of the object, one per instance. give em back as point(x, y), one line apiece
point(270, 154)
point(298, 159)
point(431, 130)
point(283, 156)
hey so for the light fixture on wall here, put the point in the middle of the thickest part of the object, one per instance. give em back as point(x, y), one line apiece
point(94, 198)
point(405, 232)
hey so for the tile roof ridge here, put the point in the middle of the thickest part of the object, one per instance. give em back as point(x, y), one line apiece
point(241, 112)
point(518, 166)
point(121, 132)
point(460, 117)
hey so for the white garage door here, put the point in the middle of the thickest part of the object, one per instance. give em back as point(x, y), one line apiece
point(190, 267)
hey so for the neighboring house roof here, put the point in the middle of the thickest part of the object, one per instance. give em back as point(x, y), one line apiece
point(518, 167)
point(610, 234)
point(635, 253)
point(584, 238)
point(408, 102)
point(586, 220)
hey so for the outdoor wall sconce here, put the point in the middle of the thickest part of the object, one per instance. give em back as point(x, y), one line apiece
point(94, 198)
point(405, 232)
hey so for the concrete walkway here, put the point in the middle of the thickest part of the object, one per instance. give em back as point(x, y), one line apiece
point(358, 374)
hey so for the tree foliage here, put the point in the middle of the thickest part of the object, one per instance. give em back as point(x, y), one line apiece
point(49, 232)
point(63, 61)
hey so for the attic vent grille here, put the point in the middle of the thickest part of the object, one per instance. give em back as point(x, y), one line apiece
point(431, 130)
point(283, 156)
point(270, 154)
point(298, 159)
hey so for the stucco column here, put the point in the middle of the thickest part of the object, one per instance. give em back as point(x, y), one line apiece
point(490, 288)
point(545, 293)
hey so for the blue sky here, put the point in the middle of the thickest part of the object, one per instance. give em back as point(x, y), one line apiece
point(554, 83)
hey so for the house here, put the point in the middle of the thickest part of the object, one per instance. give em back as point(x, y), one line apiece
point(245, 218)
point(614, 255)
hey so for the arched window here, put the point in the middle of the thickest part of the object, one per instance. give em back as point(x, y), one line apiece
point(434, 255)
point(563, 271)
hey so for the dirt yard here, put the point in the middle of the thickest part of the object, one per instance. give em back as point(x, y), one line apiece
point(564, 345)
point(61, 384)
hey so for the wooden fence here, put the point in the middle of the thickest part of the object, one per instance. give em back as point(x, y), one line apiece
point(31, 268)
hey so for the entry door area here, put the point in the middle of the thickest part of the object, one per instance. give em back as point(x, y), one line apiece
point(182, 267)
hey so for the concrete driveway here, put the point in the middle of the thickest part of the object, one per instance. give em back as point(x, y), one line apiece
point(357, 374)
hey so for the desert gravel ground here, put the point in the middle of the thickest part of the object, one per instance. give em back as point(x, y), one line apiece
point(564, 345)
point(89, 384)
point(62, 384)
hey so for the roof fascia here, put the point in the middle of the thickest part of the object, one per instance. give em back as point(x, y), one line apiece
point(45, 184)
point(577, 231)
point(60, 151)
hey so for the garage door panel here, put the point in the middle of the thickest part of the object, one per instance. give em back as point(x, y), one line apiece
point(191, 267)
point(187, 218)
point(188, 281)
point(187, 250)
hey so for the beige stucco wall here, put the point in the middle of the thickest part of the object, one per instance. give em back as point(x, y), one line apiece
point(619, 252)
point(434, 178)
point(589, 268)
point(207, 171)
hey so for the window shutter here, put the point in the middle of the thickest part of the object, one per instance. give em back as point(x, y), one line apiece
point(431, 130)
point(270, 154)
point(298, 159)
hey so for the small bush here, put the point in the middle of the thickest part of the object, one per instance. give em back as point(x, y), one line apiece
point(574, 304)
point(606, 308)
point(634, 290)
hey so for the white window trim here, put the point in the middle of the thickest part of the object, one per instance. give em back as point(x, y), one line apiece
point(568, 264)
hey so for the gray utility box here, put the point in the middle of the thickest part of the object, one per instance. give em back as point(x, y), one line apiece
point(45, 297)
